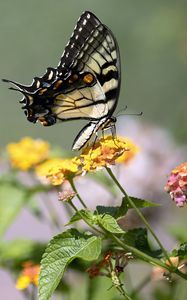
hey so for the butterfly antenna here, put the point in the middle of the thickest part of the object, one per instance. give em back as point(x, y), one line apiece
point(119, 113)
point(121, 110)
point(135, 114)
point(132, 114)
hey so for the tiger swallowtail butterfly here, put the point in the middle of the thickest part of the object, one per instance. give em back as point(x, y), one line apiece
point(85, 84)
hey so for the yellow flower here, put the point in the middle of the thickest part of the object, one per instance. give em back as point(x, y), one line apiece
point(27, 153)
point(22, 282)
point(58, 170)
point(128, 154)
point(29, 275)
point(107, 151)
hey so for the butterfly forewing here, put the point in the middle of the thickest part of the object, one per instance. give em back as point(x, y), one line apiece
point(93, 49)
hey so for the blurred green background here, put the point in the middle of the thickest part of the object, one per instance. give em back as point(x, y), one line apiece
point(152, 37)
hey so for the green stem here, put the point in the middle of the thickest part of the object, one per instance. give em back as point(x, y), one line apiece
point(77, 194)
point(140, 254)
point(123, 292)
point(138, 212)
point(147, 258)
point(84, 219)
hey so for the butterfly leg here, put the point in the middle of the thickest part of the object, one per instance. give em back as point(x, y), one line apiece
point(114, 135)
point(112, 128)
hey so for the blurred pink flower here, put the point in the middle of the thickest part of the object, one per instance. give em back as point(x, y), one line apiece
point(177, 185)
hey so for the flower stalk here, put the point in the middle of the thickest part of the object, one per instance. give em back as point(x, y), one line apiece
point(137, 211)
point(77, 194)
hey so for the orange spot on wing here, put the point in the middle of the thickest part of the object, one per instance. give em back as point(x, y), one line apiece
point(57, 84)
point(88, 78)
point(42, 91)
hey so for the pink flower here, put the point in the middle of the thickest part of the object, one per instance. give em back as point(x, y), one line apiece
point(177, 185)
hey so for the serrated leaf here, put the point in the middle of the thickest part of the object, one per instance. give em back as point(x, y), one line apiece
point(120, 211)
point(109, 223)
point(110, 210)
point(140, 203)
point(61, 250)
point(12, 200)
point(114, 211)
point(82, 214)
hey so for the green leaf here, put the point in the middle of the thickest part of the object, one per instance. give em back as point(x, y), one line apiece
point(61, 250)
point(138, 238)
point(114, 211)
point(181, 251)
point(140, 203)
point(109, 223)
point(82, 215)
point(12, 200)
point(120, 211)
point(110, 210)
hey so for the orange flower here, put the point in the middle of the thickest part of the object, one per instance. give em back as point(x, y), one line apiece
point(27, 153)
point(29, 275)
point(107, 151)
point(177, 184)
point(95, 269)
point(113, 264)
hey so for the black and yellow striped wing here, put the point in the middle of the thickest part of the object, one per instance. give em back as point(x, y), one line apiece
point(85, 85)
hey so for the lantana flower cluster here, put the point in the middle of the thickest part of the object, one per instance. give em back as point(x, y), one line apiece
point(107, 151)
point(27, 153)
point(57, 170)
point(177, 184)
point(35, 154)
